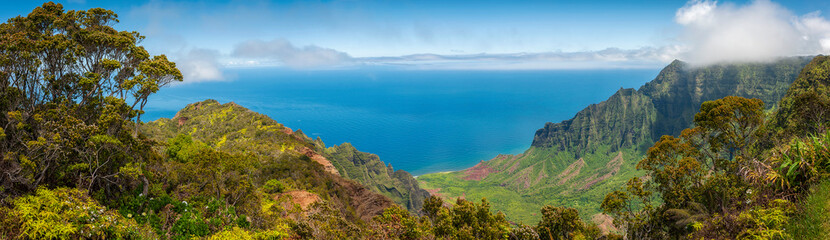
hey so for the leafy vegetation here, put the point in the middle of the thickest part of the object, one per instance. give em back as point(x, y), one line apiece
point(67, 213)
point(575, 163)
point(71, 86)
point(370, 171)
point(808, 222)
point(720, 180)
point(75, 165)
point(78, 163)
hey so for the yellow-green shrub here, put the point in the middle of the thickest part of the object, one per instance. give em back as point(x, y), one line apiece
point(65, 213)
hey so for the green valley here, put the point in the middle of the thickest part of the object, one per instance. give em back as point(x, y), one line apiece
point(721, 151)
point(574, 163)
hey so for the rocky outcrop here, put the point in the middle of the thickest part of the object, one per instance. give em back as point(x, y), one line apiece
point(316, 157)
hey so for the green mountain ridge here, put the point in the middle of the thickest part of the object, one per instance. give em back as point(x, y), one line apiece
point(574, 163)
point(78, 163)
point(369, 170)
point(233, 128)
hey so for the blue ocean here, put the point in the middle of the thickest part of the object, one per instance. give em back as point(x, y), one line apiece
point(417, 120)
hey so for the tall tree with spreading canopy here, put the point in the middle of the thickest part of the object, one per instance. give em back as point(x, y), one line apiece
point(73, 89)
point(698, 172)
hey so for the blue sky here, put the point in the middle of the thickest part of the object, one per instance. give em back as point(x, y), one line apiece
point(210, 35)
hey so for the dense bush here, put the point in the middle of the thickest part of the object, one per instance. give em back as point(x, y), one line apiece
point(66, 213)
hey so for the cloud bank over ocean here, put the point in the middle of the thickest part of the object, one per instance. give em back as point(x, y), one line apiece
point(281, 50)
point(702, 32)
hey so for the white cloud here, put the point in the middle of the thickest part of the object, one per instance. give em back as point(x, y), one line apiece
point(289, 55)
point(816, 30)
point(758, 31)
point(695, 11)
point(200, 65)
point(608, 58)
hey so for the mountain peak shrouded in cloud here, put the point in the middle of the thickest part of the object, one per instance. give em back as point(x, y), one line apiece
point(282, 51)
point(756, 32)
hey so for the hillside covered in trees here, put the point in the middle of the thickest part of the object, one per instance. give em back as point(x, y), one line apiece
point(78, 162)
point(742, 153)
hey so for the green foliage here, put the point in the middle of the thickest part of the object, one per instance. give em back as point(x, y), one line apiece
point(537, 180)
point(71, 86)
point(65, 213)
point(182, 148)
point(398, 223)
point(474, 221)
point(523, 232)
point(564, 223)
point(370, 171)
point(270, 180)
point(729, 126)
point(242, 234)
point(605, 123)
point(767, 222)
point(674, 167)
point(806, 107)
point(189, 225)
point(723, 179)
point(801, 164)
point(810, 220)
point(232, 233)
point(628, 122)
point(275, 186)
point(235, 152)
point(432, 205)
point(698, 173)
point(633, 210)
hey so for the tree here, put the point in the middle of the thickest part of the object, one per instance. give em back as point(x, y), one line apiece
point(696, 173)
point(558, 223)
point(633, 210)
point(728, 126)
point(467, 220)
point(432, 205)
point(398, 223)
point(674, 167)
point(71, 87)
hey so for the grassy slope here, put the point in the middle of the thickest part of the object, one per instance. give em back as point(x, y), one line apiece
point(508, 192)
point(230, 127)
point(280, 153)
point(628, 123)
point(813, 219)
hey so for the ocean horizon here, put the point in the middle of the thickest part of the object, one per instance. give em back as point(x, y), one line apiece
point(421, 121)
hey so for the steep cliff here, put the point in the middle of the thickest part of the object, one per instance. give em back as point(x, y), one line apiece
point(575, 162)
point(368, 169)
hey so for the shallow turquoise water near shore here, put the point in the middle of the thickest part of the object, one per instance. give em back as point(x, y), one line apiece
point(419, 121)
